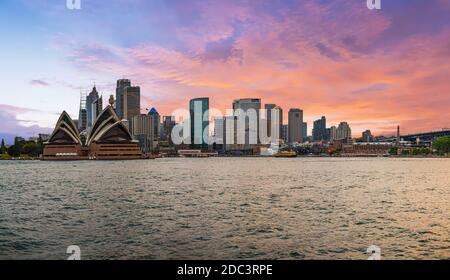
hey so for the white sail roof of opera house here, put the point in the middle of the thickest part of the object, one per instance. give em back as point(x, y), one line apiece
point(108, 128)
point(65, 132)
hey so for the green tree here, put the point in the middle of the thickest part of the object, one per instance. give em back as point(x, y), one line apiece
point(442, 144)
point(31, 148)
point(393, 151)
point(3, 147)
point(14, 151)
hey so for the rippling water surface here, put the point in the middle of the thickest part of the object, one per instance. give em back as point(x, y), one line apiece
point(226, 208)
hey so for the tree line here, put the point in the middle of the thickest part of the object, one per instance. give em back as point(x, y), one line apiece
point(22, 147)
point(441, 146)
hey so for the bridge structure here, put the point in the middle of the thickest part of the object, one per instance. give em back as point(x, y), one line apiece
point(425, 136)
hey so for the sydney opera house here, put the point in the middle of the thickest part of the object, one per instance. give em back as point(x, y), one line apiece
point(109, 139)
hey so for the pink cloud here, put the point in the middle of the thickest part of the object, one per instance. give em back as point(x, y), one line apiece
point(311, 57)
point(11, 125)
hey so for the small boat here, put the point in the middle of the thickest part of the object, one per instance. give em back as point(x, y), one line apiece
point(285, 154)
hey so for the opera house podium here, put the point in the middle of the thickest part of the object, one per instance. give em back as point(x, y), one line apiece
point(109, 139)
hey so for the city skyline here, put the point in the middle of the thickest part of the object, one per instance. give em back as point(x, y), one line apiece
point(379, 70)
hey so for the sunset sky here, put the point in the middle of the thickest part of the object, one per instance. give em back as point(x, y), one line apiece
point(372, 68)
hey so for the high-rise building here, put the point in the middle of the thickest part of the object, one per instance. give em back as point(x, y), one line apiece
point(333, 133)
point(295, 123)
point(320, 129)
point(97, 108)
point(230, 141)
point(344, 131)
point(131, 102)
point(305, 131)
point(278, 110)
point(167, 125)
point(94, 106)
point(82, 115)
point(219, 130)
point(285, 133)
point(199, 114)
point(142, 130)
point(156, 120)
point(251, 129)
point(120, 91)
point(268, 116)
point(367, 136)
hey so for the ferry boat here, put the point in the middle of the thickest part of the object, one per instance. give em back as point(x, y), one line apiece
point(286, 154)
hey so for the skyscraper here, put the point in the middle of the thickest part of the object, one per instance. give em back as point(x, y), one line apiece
point(230, 133)
point(97, 107)
point(90, 98)
point(367, 136)
point(142, 130)
point(94, 106)
point(156, 120)
point(250, 135)
point(305, 131)
point(320, 129)
point(82, 115)
point(285, 133)
point(219, 133)
point(219, 130)
point(295, 123)
point(268, 116)
point(131, 102)
point(168, 125)
point(269, 108)
point(199, 113)
point(333, 133)
point(120, 91)
point(344, 131)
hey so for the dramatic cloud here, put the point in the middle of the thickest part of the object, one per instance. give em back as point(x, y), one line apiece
point(11, 125)
point(373, 69)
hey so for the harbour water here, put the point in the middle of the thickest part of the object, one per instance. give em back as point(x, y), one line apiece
point(226, 208)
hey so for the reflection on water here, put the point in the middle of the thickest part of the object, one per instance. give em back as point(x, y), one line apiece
point(231, 208)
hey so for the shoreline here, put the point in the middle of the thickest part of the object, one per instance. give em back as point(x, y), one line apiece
point(252, 156)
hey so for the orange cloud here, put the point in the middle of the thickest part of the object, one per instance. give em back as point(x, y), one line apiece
point(326, 63)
